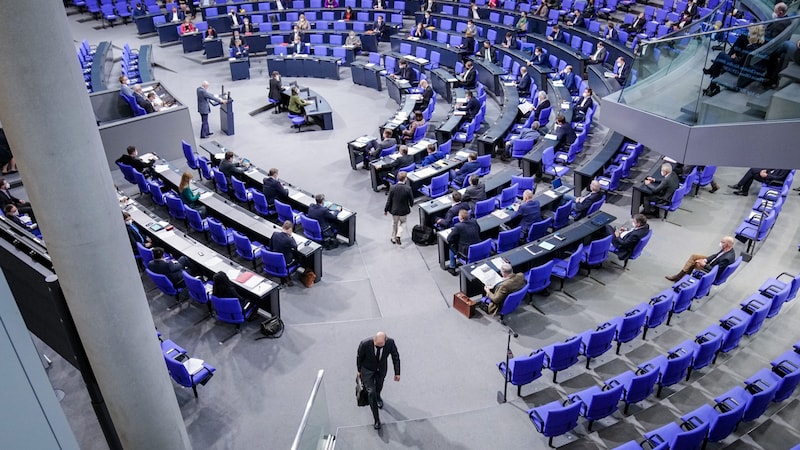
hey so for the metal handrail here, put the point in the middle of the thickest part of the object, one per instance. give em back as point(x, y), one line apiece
point(720, 30)
point(307, 412)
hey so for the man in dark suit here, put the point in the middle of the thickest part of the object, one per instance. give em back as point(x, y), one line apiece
point(141, 100)
point(12, 213)
point(583, 203)
point(204, 101)
point(510, 41)
point(636, 26)
point(404, 160)
point(398, 204)
point(660, 193)
point(468, 77)
point(465, 233)
point(722, 259)
point(229, 167)
point(234, 19)
point(472, 107)
point(584, 105)
point(556, 35)
point(487, 52)
point(319, 212)
point(273, 188)
point(475, 192)
point(691, 9)
point(405, 72)
point(298, 47)
point(379, 28)
point(134, 235)
point(529, 211)
point(7, 198)
point(131, 158)
point(371, 366)
point(472, 164)
point(512, 282)
point(432, 156)
point(524, 83)
point(625, 240)
point(599, 55)
point(577, 20)
point(172, 269)
point(427, 94)
point(763, 175)
point(374, 148)
point(611, 33)
point(565, 135)
point(539, 58)
point(569, 79)
point(621, 71)
point(283, 242)
point(544, 103)
point(175, 15)
point(458, 205)
point(275, 89)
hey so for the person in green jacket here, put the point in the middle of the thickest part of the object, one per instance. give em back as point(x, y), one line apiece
point(188, 196)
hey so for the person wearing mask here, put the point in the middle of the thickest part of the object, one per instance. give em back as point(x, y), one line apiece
point(599, 55)
point(408, 133)
point(12, 213)
point(457, 206)
point(625, 240)
point(512, 282)
point(659, 191)
point(427, 94)
point(565, 135)
point(510, 41)
point(464, 233)
point(224, 288)
point(583, 106)
point(171, 269)
point(487, 52)
point(722, 259)
point(468, 77)
point(353, 41)
point(134, 234)
point(522, 23)
point(569, 79)
point(524, 82)
point(187, 27)
point(141, 100)
point(582, 204)
point(297, 105)
point(374, 148)
point(539, 59)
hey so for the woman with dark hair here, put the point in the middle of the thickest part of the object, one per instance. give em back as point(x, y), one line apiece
point(224, 288)
point(419, 120)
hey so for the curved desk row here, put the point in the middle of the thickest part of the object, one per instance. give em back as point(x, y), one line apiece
point(305, 66)
point(532, 161)
point(299, 199)
point(377, 167)
point(367, 74)
point(450, 126)
point(539, 74)
point(494, 135)
point(285, 20)
point(240, 219)
point(306, 6)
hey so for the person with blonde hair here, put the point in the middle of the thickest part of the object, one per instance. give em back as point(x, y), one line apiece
point(189, 196)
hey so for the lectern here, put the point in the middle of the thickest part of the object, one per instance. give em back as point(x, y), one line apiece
point(226, 116)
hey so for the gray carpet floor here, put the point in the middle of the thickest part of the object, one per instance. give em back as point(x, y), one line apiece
point(448, 394)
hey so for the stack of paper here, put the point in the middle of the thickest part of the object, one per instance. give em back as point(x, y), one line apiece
point(486, 275)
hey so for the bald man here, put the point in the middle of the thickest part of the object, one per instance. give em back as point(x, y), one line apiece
point(722, 259)
point(371, 365)
point(512, 282)
point(204, 101)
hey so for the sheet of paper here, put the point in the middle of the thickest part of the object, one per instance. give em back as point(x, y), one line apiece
point(500, 214)
point(160, 168)
point(498, 262)
point(426, 172)
point(551, 193)
point(558, 83)
point(487, 275)
point(550, 136)
point(253, 281)
point(463, 153)
point(297, 195)
point(446, 200)
point(546, 245)
point(206, 194)
point(193, 365)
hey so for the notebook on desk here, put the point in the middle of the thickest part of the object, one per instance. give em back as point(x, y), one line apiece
point(559, 187)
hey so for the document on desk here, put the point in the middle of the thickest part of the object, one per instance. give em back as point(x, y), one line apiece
point(160, 168)
point(364, 139)
point(558, 83)
point(344, 214)
point(533, 250)
point(219, 156)
point(213, 261)
point(444, 201)
point(487, 275)
point(446, 232)
point(206, 194)
point(426, 172)
point(147, 158)
point(462, 153)
point(369, 65)
point(525, 108)
point(193, 365)
point(608, 74)
point(297, 195)
point(550, 136)
point(546, 245)
point(261, 287)
point(253, 281)
point(452, 80)
point(500, 214)
point(565, 105)
point(498, 262)
point(551, 193)
point(459, 113)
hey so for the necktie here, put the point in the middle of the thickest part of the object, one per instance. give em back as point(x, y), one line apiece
point(378, 353)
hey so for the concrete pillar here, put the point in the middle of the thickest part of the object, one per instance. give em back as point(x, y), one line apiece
point(50, 125)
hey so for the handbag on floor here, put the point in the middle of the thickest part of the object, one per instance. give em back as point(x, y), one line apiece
point(307, 278)
point(422, 235)
point(271, 328)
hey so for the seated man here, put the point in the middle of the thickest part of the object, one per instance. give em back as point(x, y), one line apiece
point(432, 156)
point(487, 52)
point(584, 202)
point(458, 206)
point(141, 100)
point(475, 192)
point(228, 167)
point(374, 148)
point(530, 212)
point(472, 164)
point(565, 134)
point(134, 235)
point(427, 94)
point(468, 78)
point(722, 259)
point(599, 55)
point(405, 72)
point(284, 243)
point(171, 269)
point(569, 79)
point(539, 58)
point(404, 160)
point(661, 193)
point(131, 158)
point(524, 83)
point(273, 188)
point(464, 233)
point(326, 218)
point(471, 107)
point(512, 282)
point(7, 198)
point(583, 106)
point(625, 239)
point(525, 133)
point(12, 213)
point(763, 175)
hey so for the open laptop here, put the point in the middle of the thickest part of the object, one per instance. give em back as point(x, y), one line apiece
point(559, 187)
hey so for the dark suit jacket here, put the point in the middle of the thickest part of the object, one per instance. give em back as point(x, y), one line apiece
point(228, 168)
point(666, 187)
point(431, 158)
point(638, 25)
point(172, 269)
point(472, 107)
point(503, 289)
point(469, 79)
point(275, 89)
point(626, 245)
point(570, 82)
point(524, 85)
point(299, 48)
point(614, 35)
point(134, 237)
point(273, 189)
point(721, 260)
point(407, 74)
point(539, 108)
point(399, 163)
point(248, 28)
point(400, 200)
point(463, 235)
point(584, 105)
point(530, 212)
point(540, 60)
point(366, 360)
point(474, 194)
point(466, 169)
point(283, 243)
point(136, 163)
point(601, 55)
point(492, 54)
point(453, 212)
point(511, 43)
point(143, 102)
point(565, 136)
point(168, 16)
point(203, 100)
point(622, 75)
point(323, 215)
point(557, 37)
point(581, 208)
point(379, 27)
point(427, 94)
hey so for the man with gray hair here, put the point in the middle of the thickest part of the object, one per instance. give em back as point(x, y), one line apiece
point(722, 259)
point(659, 193)
point(512, 282)
point(584, 202)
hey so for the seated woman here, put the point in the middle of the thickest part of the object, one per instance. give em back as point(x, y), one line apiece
point(224, 288)
point(733, 60)
point(188, 196)
point(330, 4)
point(348, 14)
point(420, 31)
point(408, 133)
point(522, 23)
point(187, 27)
point(297, 105)
point(302, 23)
point(353, 40)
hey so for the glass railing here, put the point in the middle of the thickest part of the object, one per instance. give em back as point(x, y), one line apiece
point(719, 69)
point(314, 432)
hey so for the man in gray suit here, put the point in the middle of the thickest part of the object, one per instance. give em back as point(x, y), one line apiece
point(659, 192)
point(204, 101)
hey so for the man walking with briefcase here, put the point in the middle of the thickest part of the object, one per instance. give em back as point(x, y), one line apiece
point(371, 364)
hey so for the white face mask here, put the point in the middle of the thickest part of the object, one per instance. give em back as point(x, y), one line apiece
point(720, 245)
point(128, 222)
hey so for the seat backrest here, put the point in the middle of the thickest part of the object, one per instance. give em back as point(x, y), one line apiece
point(561, 217)
point(274, 263)
point(155, 193)
point(127, 172)
point(512, 302)
point(164, 284)
point(560, 421)
point(141, 181)
point(641, 386)
point(522, 183)
point(603, 403)
point(677, 364)
point(145, 254)
point(525, 369)
point(599, 341)
point(539, 229)
point(709, 342)
point(197, 290)
point(175, 206)
point(227, 310)
point(484, 207)
point(439, 184)
point(735, 323)
point(479, 251)
point(260, 203)
point(598, 251)
point(659, 307)
point(539, 277)
point(704, 285)
point(178, 371)
point(508, 196)
point(194, 218)
point(632, 324)
point(243, 246)
point(508, 239)
point(220, 181)
point(311, 228)
point(565, 354)
point(690, 439)
point(218, 232)
point(188, 152)
point(599, 204)
point(284, 211)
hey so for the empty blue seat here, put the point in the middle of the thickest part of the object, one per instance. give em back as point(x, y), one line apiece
point(539, 229)
point(597, 252)
point(722, 418)
point(555, 418)
point(758, 309)
point(786, 366)
point(506, 240)
point(630, 325)
point(676, 436)
point(596, 342)
point(705, 348)
point(521, 370)
point(672, 367)
point(567, 269)
point(686, 288)
point(598, 402)
point(561, 355)
point(757, 394)
point(658, 309)
point(439, 186)
point(637, 385)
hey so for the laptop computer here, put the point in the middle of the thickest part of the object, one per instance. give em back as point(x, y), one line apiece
point(559, 187)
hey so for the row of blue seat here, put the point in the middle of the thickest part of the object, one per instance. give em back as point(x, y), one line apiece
point(761, 218)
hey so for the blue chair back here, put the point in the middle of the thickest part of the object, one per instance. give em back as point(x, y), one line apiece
point(602, 404)
point(758, 310)
point(686, 292)
point(597, 252)
point(220, 181)
point(639, 248)
point(127, 172)
point(573, 266)
point(205, 168)
point(706, 175)
point(677, 367)
point(658, 309)
point(631, 325)
point(507, 240)
point(145, 254)
point(196, 221)
point(507, 196)
point(728, 271)
point(156, 194)
point(274, 264)
point(260, 203)
point(760, 392)
point(227, 310)
point(512, 302)
point(597, 342)
point(240, 191)
point(539, 229)
point(521, 147)
point(219, 235)
point(725, 422)
point(188, 152)
point(706, 280)
point(141, 182)
point(523, 369)
point(539, 277)
point(708, 343)
point(388, 151)
point(196, 288)
point(439, 185)
point(734, 324)
point(561, 218)
point(479, 251)
point(244, 248)
point(484, 207)
point(486, 164)
point(285, 212)
point(641, 386)
point(311, 228)
point(560, 420)
point(562, 355)
point(163, 283)
point(175, 207)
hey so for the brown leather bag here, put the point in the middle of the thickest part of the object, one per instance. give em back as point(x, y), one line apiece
point(464, 304)
point(308, 278)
